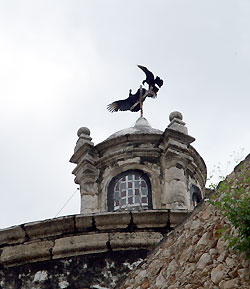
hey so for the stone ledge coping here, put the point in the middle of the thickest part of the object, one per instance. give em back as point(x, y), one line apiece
point(87, 243)
point(50, 228)
point(85, 234)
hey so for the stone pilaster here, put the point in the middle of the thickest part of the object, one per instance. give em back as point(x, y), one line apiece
point(175, 160)
point(86, 172)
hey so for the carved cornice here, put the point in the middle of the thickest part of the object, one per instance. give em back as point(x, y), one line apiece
point(85, 234)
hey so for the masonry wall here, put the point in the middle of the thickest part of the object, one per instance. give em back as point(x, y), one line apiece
point(80, 251)
point(101, 270)
point(193, 256)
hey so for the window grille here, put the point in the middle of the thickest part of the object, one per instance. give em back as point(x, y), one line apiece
point(130, 190)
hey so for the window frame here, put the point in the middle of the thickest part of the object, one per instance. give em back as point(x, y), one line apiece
point(111, 191)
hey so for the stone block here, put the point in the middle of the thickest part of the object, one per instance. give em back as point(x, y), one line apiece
point(160, 281)
point(171, 269)
point(204, 260)
point(196, 226)
point(89, 211)
point(79, 245)
point(89, 202)
point(174, 173)
point(112, 220)
point(217, 274)
point(244, 273)
point(206, 271)
point(189, 269)
point(12, 235)
point(195, 239)
point(186, 254)
point(203, 240)
point(175, 195)
point(207, 240)
point(231, 263)
point(150, 219)
point(27, 253)
point(88, 185)
point(84, 222)
point(207, 213)
point(229, 284)
point(177, 216)
point(134, 240)
point(48, 228)
point(40, 276)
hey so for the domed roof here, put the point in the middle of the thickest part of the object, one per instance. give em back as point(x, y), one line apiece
point(141, 126)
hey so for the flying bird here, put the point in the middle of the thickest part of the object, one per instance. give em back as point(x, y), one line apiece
point(151, 80)
point(131, 103)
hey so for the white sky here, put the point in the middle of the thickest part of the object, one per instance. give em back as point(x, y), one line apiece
point(62, 62)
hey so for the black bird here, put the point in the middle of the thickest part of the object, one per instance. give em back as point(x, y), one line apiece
point(151, 80)
point(131, 103)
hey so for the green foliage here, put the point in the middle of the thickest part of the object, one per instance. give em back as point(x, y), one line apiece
point(232, 198)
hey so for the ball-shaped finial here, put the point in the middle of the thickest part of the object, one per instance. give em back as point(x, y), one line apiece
point(175, 114)
point(83, 130)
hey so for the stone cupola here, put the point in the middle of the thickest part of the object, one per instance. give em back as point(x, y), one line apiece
point(140, 168)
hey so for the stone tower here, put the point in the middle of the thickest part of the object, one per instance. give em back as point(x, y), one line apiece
point(140, 168)
point(136, 186)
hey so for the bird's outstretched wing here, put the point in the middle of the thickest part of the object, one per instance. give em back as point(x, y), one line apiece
point(149, 75)
point(131, 103)
point(121, 105)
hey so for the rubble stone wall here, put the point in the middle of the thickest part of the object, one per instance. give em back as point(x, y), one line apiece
point(193, 256)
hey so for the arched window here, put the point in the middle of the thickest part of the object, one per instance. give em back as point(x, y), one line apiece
point(195, 195)
point(130, 190)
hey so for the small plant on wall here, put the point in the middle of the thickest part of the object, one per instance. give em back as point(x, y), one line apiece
point(232, 198)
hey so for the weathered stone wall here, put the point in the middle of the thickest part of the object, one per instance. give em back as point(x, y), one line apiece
point(193, 256)
point(80, 251)
point(85, 271)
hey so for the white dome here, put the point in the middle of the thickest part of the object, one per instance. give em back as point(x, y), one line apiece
point(141, 126)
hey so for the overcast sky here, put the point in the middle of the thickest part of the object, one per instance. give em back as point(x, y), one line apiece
point(62, 62)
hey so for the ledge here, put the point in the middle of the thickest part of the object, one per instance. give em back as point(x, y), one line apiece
point(85, 234)
point(49, 228)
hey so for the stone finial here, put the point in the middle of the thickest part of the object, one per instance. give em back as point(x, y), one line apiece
point(142, 122)
point(176, 122)
point(175, 114)
point(84, 131)
point(84, 137)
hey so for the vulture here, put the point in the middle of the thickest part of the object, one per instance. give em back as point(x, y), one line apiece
point(131, 103)
point(151, 80)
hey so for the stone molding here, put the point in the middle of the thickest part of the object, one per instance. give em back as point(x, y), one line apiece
point(85, 234)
